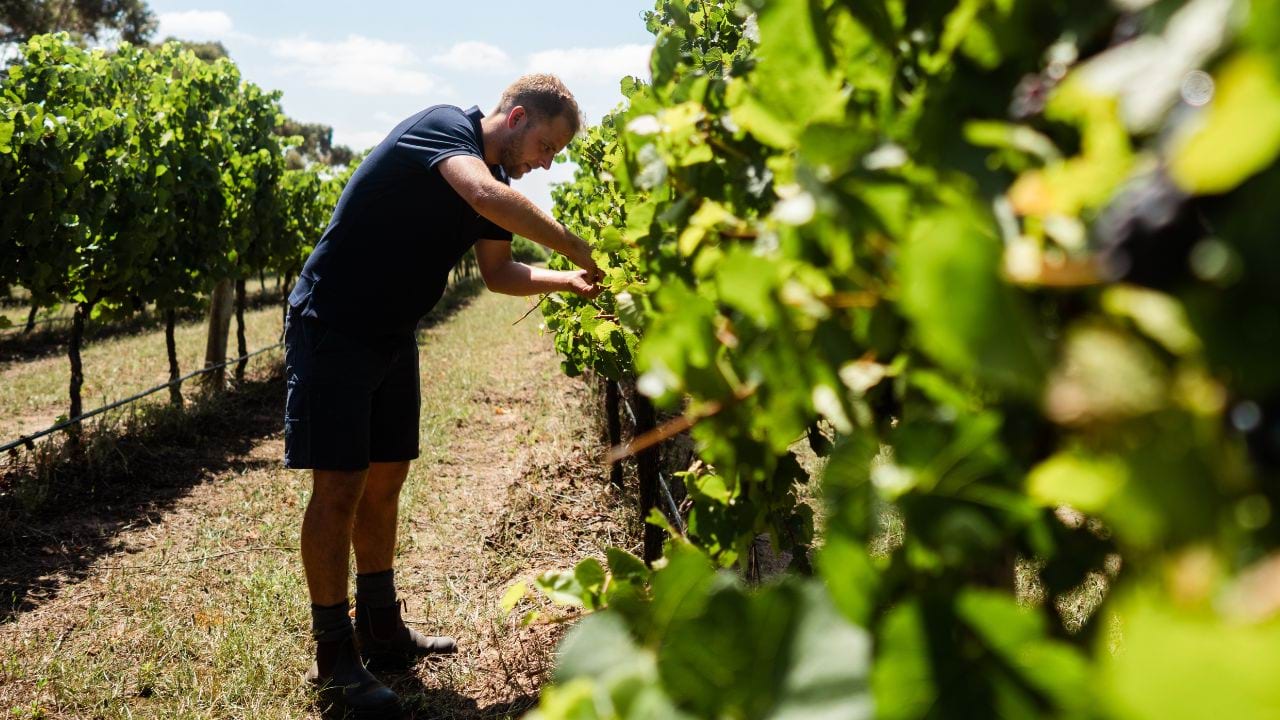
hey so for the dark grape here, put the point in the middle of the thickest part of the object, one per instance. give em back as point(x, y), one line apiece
point(1147, 232)
point(1259, 423)
point(1127, 27)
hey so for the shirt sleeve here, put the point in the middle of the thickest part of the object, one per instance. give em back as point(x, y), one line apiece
point(490, 230)
point(442, 133)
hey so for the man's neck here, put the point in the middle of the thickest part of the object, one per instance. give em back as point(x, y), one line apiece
point(493, 131)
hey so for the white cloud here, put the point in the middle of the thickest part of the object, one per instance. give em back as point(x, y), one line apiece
point(593, 74)
point(593, 65)
point(198, 25)
point(359, 65)
point(473, 57)
point(359, 139)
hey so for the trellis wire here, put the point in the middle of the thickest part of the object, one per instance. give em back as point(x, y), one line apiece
point(20, 326)
point(29, 440)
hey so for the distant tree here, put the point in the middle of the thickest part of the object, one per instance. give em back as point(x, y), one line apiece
point(341, 155)
point(83, 19)
point(206, 51)
point(317, 145)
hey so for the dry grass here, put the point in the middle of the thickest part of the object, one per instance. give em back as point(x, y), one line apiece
point(178, 602)
point(109, 609)
point(115, 367)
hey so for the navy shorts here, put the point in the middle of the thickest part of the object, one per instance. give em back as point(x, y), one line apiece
point(350, 400)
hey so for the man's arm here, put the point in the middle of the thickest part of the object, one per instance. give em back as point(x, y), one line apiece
point(470, 178)
point(503, 275)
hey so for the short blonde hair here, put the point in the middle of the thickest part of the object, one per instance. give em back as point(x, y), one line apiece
point(543, 96)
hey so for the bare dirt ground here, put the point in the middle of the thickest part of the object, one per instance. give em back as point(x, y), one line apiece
point(175, 590)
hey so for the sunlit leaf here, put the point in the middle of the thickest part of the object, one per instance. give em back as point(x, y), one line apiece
point(1240, 133)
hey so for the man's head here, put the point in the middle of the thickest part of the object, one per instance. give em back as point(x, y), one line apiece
point(540, 117)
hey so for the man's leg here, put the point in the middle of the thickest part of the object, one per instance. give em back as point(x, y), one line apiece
point(374, 537)
point(326, 550)
point(384, 639)
point(326, 397)
point(327, 532)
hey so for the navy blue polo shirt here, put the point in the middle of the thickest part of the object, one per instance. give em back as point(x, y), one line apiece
point(398, 229)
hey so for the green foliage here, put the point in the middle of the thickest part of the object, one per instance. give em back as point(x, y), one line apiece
point(1011, 268)
point(686, 641)
point(527, 251)
point(144, 175)
point(316, 144)
point(209, 51)
point(307, 198)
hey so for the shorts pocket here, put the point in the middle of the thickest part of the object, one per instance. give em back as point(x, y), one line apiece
point(297, 426)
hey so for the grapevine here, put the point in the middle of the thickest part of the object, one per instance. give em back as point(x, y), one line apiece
point(143, 177)
point(1013, 261)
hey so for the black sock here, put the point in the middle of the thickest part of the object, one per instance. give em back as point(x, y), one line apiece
point(331, 627)
point(330, 619)
point(376, 590)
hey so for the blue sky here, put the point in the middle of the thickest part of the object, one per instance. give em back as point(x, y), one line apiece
point(362, 67)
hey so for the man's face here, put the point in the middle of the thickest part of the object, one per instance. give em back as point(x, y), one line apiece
point(533, 143)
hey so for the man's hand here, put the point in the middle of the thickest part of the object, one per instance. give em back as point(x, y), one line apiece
point(504, 275)
point(581, 283)
point(580, 255)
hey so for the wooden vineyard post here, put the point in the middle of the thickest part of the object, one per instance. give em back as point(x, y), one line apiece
point(171, 348)
point(220, 307)
point(647, 472)
point(242, 346)
point(613, 420)
point(77, 370)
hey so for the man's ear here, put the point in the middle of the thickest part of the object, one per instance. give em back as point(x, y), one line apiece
point(516, 116)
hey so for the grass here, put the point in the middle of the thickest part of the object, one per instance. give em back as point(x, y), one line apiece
point(114, 368)
point(139, 620)
point(184, 598)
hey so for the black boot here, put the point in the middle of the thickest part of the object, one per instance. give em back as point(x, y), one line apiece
point(386, 643)
point(342, 680)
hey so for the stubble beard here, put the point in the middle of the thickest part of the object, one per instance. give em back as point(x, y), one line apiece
point(510, 154)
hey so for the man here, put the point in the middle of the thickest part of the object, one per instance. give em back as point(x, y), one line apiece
point(435, 187)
